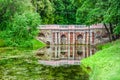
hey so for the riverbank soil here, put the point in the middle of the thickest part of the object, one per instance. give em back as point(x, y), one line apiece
point(105, 64)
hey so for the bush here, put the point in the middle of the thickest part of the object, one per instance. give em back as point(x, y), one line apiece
point(2, 43)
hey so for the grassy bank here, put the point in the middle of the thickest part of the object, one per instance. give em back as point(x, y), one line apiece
point(105, 64)
point(31, 44)
point(38, 44)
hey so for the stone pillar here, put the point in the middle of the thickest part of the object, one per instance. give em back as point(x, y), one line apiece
point(55, 52)
point(51, 38)
point(68, 51)
point(68, 37)
point(84, 37)
point(87, 37)
point(59, 50)
point(93, 38)
point(59, 37)
point(90, 51)
point(83, 49)
point(55, 38)
point(73, 51)
point(74, 37)
point(90, 37)
point(87, 51)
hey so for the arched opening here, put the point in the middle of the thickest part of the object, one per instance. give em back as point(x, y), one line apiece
point(98, 35)
point(79, 53)
point(79, 39)
point(63, 39)
point(41, 35)
point(48, 43)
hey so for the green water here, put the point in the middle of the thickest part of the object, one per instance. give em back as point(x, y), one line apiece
point(18, 64)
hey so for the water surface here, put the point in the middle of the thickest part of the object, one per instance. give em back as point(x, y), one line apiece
point(56, 55)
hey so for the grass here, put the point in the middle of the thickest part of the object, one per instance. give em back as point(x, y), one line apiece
point(38, 44)
point(105, 64)
point(35, 44)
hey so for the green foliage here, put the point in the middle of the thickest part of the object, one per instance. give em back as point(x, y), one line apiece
point(117, 29)
point(19, 18)
point(2, 43)
point(18, 23)
point(56, 11)
point(99, 11)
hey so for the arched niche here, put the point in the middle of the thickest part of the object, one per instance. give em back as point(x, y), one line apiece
point(79, 39)
point(41, 35)
point(63, 39)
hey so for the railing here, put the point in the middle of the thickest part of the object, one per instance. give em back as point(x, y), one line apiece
point(61, 26)
point(68, 26)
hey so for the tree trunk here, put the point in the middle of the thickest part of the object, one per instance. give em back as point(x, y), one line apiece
point(111, 31)
point(109, 34)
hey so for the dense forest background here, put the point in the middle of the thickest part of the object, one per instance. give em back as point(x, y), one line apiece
point(19, 18)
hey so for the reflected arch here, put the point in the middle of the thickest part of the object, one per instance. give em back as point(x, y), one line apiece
point(80, 53)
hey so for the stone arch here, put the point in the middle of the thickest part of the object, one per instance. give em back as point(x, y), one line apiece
point(63, 39)
point(98, 35)
point(41, 35)
point(48, 42)
point(79, 53)
point(79, 39)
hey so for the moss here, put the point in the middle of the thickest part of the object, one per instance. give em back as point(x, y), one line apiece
point(105, 63)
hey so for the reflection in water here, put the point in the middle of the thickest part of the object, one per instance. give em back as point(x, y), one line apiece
point(64, 54)
point(73, 72)
point(67, 55)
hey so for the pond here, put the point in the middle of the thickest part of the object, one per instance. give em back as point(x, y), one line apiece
point(59, 62)
point(57, 55)
point(62, 62)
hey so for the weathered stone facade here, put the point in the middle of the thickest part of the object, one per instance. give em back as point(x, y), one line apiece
point(72, 34)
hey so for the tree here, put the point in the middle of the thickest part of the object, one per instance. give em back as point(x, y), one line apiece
point(45, 9)
point(18, 22)
point(100, 11)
